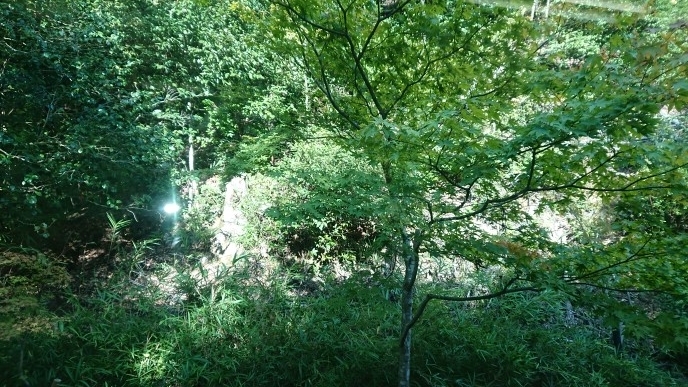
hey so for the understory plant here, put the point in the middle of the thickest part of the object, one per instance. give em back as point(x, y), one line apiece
point(240, 332)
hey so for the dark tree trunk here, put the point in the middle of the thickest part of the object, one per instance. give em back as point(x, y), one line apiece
point(411, 263)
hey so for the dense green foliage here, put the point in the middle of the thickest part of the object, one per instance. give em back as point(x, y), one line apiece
point(526, 164)
point(469, 113)
point(239, 333)
point(101, 101)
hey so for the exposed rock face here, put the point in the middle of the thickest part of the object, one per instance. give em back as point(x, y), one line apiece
point(226, 246)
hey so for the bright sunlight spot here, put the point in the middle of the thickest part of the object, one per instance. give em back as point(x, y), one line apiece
point(171, 208)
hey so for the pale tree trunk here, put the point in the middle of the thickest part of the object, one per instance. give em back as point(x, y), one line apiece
point(411, 263)
point(193, 189)
point(547, 10)
point(532, 11)
point(306, 101)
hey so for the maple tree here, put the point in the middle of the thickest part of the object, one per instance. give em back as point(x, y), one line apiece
point(467, 115)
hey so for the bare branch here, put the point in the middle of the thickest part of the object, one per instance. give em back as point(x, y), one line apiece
point(572, 185)
point(421, 308)
point(325, 86)
point(633, 257)
point(625, 188)
point(294, 14)
point(655, 291)
point(431, 62)
point(358, 57)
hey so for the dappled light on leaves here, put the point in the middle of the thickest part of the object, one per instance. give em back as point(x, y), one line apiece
point(337, 193)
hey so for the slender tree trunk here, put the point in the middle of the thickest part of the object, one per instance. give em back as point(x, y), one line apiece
point(410, 253)
point(306, 86)
point(411, 263)
point(193, 189)
point(547, 10)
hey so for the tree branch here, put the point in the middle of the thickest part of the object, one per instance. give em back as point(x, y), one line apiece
point(358, 57)
point(635, 256)
point(421, 308)
point(572, 185)
point(293, 13)
point(655, 291)
point(325, 86)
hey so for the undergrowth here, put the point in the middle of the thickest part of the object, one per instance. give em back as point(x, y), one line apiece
point(236, 331)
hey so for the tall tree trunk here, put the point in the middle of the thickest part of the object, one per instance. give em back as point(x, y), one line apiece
point(193, 189)
point(547, 10)
point(411, 263)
